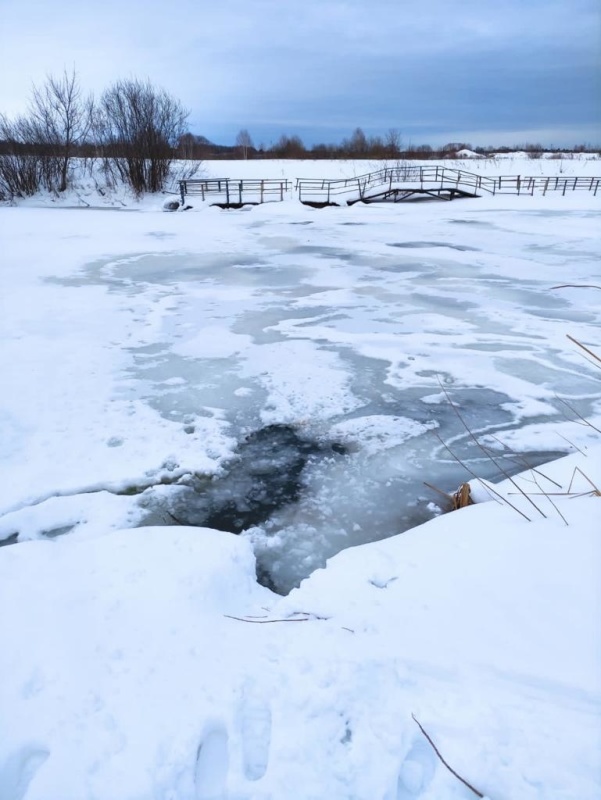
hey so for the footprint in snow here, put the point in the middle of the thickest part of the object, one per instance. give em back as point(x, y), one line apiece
point(417, 771)
point(212, 759)
point(19, 769)
point(255, 728)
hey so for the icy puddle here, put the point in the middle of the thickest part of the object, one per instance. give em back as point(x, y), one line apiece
point(295, 385)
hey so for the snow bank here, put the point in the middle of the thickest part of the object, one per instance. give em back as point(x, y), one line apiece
point(126, 673)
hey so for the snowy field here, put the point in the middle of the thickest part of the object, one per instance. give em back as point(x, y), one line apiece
point(294, 376)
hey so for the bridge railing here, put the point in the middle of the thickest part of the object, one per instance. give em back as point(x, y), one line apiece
point(231, 191)
point(392, 177)
point(529, 184)
point(234, 190)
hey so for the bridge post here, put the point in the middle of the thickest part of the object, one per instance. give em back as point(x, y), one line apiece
point(182, 191)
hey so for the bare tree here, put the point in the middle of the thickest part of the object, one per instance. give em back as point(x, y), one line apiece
point(393, 142)
point(376, 147)
point(186, 146)
point(21, 169)
point(322, 150)
point(357, 146)
point(244, 142)
point(423, 151)
point(139, 127)
point(59, 120)
point(289, 147)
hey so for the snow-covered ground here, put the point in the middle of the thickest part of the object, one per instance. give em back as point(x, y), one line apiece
point(292, 373)
point(90, 189)
point(582, 164)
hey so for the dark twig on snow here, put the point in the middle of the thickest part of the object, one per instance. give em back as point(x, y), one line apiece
point(575, 446)
point(548, 496)
point(576, 286)
point(595, 492)
point(534, 473)
point(266, 621)
point(437, 751)
point(583, 420)
point(493, 460)
point(521, 459)
point(583, 347)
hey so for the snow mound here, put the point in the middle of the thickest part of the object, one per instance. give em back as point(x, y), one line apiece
point(465, 153)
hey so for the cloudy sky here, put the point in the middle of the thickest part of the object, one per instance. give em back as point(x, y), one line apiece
point(480, 71)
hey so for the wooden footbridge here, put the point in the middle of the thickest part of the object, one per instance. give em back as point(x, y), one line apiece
point(395, 184)
point(391, 184)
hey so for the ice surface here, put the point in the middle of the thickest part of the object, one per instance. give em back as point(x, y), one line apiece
point(154, 346)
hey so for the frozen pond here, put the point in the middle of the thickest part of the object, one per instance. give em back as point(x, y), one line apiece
point(285, 373)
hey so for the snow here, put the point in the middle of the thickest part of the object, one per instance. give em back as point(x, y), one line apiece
point(148, 356)
point(467, 153)
point(125, 670)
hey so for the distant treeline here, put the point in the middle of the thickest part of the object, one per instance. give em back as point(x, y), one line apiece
point(135, 130)
point(358, 146)
point(192, 147)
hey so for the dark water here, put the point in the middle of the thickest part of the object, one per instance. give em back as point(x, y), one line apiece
point(266, 476)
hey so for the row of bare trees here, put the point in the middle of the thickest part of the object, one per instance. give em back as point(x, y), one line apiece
point(133, 128)
point(390, 146)
point(358, 145)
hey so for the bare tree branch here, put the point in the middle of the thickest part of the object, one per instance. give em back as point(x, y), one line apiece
point(60, 118)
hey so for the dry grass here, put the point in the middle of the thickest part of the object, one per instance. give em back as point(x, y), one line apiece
point(462, 497)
